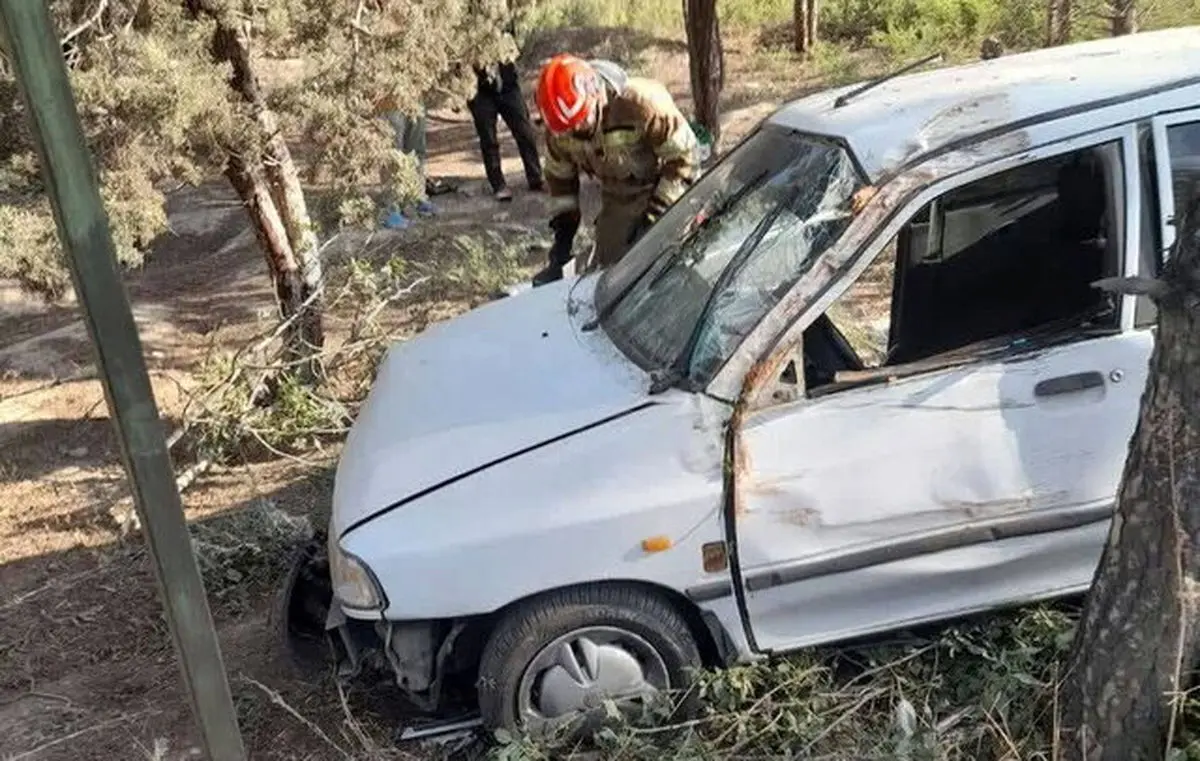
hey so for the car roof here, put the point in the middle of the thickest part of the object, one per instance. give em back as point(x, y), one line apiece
point(913, 114)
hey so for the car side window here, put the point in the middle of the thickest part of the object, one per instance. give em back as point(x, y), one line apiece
point(1002, 261)
point(1183, 145)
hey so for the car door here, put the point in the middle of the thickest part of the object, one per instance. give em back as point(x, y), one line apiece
point(953, 487)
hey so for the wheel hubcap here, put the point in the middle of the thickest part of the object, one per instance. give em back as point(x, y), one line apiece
point(572, 676)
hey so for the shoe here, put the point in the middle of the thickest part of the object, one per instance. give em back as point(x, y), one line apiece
point(396, 220)
point(548, 274)
point(437, 187)
point(538, 186)
point(503, 194)
point(426, 209)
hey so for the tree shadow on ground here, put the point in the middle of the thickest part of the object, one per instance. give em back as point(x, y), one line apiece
point(84, 627)
point(202, 270)
point(86, 443)
point(20, 323)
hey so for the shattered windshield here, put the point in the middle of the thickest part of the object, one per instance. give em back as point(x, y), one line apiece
point(688, 293)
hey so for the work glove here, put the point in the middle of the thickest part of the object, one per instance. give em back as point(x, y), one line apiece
point(564, 225)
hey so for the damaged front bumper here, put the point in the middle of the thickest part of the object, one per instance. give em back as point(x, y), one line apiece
point(419, 654)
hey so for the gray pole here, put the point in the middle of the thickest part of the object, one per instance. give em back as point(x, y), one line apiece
point(33, 50)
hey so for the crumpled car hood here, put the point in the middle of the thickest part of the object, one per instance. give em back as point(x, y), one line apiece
point(506, 376)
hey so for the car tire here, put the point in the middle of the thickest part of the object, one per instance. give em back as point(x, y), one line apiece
point(527, 633)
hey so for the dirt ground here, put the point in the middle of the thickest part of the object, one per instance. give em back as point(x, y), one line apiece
point(87, 669)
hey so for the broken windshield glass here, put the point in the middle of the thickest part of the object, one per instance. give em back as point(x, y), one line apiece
point(685, 296)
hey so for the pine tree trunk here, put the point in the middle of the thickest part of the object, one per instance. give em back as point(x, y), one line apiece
point(288, 194)
point(706, 59)
point(1058, 22)
point(296, 267)
point(253, 189)
point(800, 26)
point(810, 30)
point(805, 26)
point(1137, 638)
point(1122, 16)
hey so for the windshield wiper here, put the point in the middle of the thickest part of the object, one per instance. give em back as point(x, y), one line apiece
point(751, 184)
point(663, 380)
point(677, 371)
point(726, 204)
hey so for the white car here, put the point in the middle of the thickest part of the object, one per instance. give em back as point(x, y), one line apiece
point(856, 379)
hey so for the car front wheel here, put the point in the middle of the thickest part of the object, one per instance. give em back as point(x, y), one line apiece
point(555, 660)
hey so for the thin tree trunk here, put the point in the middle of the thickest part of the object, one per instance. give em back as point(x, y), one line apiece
point(1122, 17)
point(810, 30)
point(805, 26)
point(1058, 22)
point(800, 26)
point(231, 44)
point(1137, 638)
point(706, 60)
point(252, 187)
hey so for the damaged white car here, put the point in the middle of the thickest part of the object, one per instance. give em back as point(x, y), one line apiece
point(857, 378)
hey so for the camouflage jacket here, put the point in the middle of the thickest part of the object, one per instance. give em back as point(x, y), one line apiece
point(644, 144)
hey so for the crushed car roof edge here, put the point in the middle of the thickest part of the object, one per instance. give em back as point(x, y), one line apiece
point(921, 112)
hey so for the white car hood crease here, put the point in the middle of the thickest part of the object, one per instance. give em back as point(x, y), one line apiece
point(501, 378)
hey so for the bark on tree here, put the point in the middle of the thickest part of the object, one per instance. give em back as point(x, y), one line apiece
point(269, 187)
point(804, 22)
point(1122, 17)
point(706, 59)
point(1058, 22)
point(251, 185)
point(1137, 638)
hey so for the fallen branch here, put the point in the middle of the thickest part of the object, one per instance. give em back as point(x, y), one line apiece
point(278, 700)
point(188, 476)
point(227, 411)
point(88, 23)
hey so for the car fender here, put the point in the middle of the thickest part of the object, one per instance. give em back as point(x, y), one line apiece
point(572, 512)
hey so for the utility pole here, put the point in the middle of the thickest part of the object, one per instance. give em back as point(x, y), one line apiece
point(33, 50)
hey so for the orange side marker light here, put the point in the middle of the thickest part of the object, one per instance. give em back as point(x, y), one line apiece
point(656, 543)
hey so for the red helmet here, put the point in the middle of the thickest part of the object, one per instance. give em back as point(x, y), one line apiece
point(568, 93)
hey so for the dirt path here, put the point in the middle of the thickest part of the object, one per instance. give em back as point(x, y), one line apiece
point(86, 665)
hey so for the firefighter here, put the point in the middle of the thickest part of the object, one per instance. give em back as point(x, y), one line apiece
point(625, 131)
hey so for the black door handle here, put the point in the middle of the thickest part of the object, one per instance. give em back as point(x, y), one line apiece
point(1069, 384)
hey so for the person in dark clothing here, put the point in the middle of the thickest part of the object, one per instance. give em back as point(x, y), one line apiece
point(500, 95)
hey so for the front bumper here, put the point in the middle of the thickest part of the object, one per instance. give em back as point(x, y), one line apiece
point(315, 627)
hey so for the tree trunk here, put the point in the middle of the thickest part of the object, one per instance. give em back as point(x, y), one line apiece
point(1058, 22)
point(805, 26)
point(290, 292)
point(811, 30)
point(1137, 638)
point(296, 271)
point(1122, 17)
point(706, 59)
point(800, 26)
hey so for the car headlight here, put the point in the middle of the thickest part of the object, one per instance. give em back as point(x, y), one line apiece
point(354, 586)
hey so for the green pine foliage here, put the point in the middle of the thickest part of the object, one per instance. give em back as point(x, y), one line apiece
point(158, 112)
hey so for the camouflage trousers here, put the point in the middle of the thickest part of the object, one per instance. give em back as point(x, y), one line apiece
point(619, 215)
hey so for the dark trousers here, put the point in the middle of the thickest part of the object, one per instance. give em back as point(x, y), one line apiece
point(510, 107)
